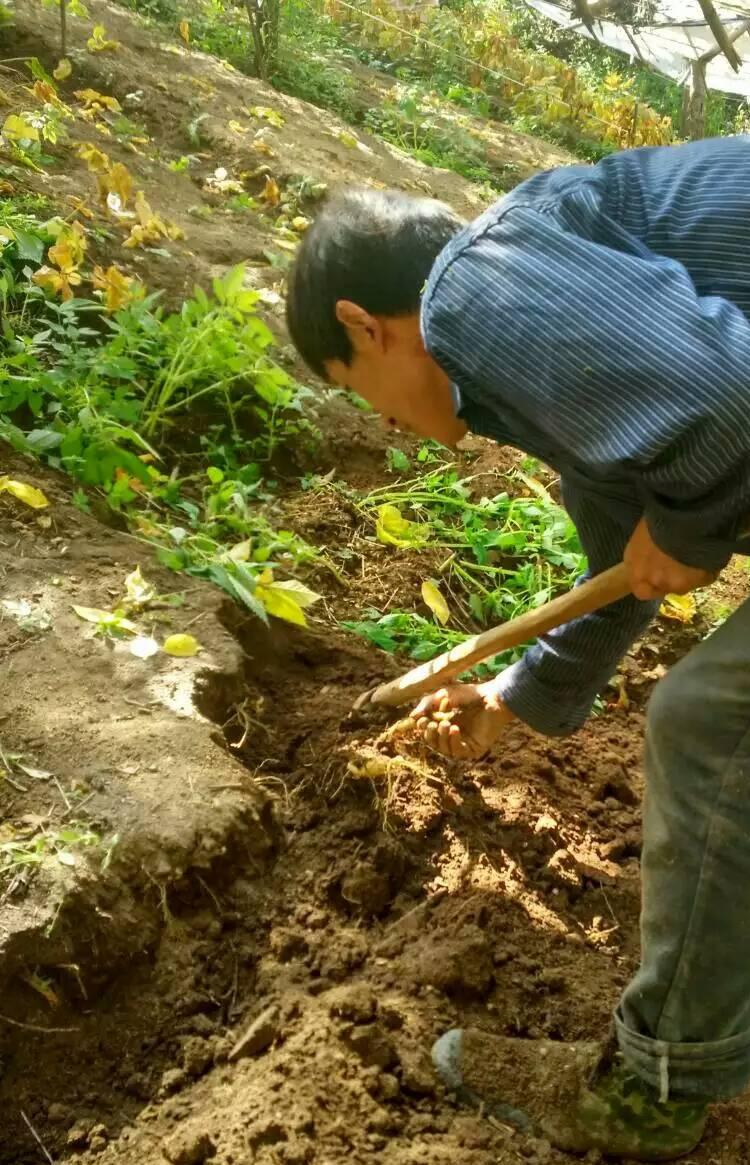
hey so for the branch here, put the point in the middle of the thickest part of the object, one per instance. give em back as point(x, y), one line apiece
point(723, 40)
point(739, 31)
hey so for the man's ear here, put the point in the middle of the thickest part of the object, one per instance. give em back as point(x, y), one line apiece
point(365, 332)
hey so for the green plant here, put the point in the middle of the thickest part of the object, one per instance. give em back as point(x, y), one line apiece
point(408, 633)
point(36, 848)
point(502, 554)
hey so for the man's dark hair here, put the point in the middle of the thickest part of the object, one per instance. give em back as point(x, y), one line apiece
point(373, 247)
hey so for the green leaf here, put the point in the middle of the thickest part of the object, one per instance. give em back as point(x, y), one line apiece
point(215, 475)
point(397, 460)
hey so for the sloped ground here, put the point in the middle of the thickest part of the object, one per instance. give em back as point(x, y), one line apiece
point(255, 968)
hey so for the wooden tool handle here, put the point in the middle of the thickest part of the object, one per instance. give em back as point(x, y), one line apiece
point(596, 592)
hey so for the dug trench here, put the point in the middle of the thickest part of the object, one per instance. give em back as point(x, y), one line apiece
point(299, 900)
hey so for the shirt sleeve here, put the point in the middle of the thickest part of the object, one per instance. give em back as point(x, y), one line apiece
point(554, 685)
point(617, 360)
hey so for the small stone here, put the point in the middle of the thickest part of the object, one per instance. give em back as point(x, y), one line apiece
point(388, 1086)
point(78, 1135)
point(258, 1036)
point(58, 1114)
point(188, 1147)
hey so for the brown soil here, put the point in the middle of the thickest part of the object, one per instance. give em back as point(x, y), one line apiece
point(299, 899)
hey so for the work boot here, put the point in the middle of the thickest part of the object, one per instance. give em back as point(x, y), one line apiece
point(576, 1095)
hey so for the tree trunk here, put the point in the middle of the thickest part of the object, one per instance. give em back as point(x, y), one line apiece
point(694, 103)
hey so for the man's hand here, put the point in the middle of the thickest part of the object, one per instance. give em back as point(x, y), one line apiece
point(653, 573)
point(462, 721)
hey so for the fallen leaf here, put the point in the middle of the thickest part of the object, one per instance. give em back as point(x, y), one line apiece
point(44, 988)
point(105, 618)
point(63, 70)
point(95, 159)
point(35, 774)
point(19, 129)
point(46, 93)
point(117, 287)
point(58, 282)
point(681, 608)
point(138, 591)
point(28, 494)
point(143, 647)
point(262, 147)
point(184, 30)
point(98, 42)
point(435, 601)
point(236, 127)
point(271, 194)
point(69, 250)
point(536, 487)
point(100, 101)
point(80, 207)
point(66, 858)
point(395, 530)
point(181, 645)
point(269, 115)
point(348, 139)
point(300, 223)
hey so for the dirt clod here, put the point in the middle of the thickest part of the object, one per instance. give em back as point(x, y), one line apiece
point(188, 1146)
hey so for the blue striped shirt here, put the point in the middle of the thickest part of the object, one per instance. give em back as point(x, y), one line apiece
point(598, 317)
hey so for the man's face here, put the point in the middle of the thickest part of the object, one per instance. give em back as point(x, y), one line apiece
point(392, 371)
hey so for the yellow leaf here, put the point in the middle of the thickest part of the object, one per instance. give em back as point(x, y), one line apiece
point(262, 147)
point(58, 282)
point(536, 487)
point(45, 93)
point(44, 988)
point(284, 606)
point(682, 608)
point(301, 594)
point(181, 646)
point(184, 30)
point(19, 129)
point(236, 127)
point(69, 250)
point(300, 223)
point(395, 530)
point(96, 161)
point(63, 70)
point(116, 285)
point(94, 100)
point(104, 618)
point(435, 601)
point(348, 139)
point(98, 43)
point(120, 182)
point(272, 116)
point(80, 207)
point(138, 591)
point(271, 194)
point(240, 552)
point(29, 494)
